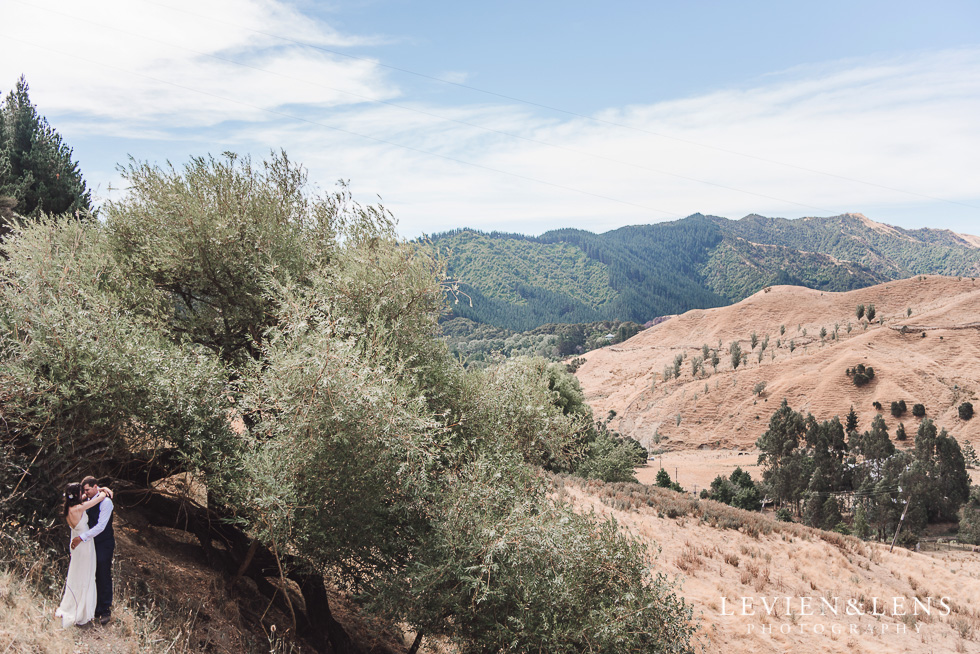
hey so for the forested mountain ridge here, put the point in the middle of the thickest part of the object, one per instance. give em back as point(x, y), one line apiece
point(891, 251)
point(640, 272)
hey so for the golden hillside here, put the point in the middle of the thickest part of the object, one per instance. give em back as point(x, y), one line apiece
point(936, 362)
point(721, 552)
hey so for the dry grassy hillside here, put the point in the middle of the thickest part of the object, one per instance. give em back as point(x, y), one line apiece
point(940, 369)
point(721, 552)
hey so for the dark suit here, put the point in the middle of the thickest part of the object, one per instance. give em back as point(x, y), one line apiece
point(105, 545)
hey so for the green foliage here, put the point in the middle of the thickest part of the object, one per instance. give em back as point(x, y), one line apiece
point(965, 410)
point(633, 273)
point(861, 375)
point(871, 313)
point(663, 479)
point(861, 529)
point(738, 490)
point(852, 420)
point(969, 517)
point(899, 408)
point(859, 312)
point(506, 570)
point(737, 268)
point(610, 457)
point(784, 515)
point(895, 252)
point(639, 272)
point(735, 353)
point(918, 410)
point(900, 434)
point(37, 174)
point(226, 290)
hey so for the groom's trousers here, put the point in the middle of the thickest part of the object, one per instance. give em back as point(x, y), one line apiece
point(103, 578)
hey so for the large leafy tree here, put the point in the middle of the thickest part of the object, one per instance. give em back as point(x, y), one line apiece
point(37, 174)
point(227, 290)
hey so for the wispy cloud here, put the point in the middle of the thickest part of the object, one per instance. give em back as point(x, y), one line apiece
point(137, 64)
point(888, 136)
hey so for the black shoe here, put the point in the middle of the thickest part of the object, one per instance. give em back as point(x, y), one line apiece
point(104, 619)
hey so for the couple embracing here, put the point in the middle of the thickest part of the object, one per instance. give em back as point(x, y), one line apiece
point(88, 590)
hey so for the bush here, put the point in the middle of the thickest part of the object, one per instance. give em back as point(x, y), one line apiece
point(900, 434)
point(918, 410)
point(966, 411)
point(899, 408)
point(861, 375)
point(784, 515)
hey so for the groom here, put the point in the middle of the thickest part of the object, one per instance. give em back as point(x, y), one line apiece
point(100, 530)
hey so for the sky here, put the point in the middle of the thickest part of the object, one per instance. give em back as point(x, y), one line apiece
point(530, 116)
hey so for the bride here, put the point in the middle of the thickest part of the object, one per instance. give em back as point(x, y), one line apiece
point(78, 602)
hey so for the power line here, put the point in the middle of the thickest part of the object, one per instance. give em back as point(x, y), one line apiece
point(347, 131)
point(426, 113)
point(563, 111)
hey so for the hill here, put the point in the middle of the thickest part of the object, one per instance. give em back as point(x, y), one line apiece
point(721, 552)
point(931, 361)
point(640, 272)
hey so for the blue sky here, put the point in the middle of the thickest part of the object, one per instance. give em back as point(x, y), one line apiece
point(598, 114)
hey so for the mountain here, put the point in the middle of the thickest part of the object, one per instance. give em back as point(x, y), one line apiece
point(640, 272)
point(927, 357)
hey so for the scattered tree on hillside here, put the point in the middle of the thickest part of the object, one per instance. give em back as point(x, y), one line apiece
point(735, 351)
point(754, 339)
point(871, 313)
point(918, 410)
point(859, 312)
point(861, 375)
point(965, 410)
point(900, 433)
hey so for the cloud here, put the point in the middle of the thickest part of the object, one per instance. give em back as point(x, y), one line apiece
point(134, 66)
point(891, 138)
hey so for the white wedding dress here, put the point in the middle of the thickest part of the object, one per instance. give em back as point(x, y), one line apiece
point(78, 602)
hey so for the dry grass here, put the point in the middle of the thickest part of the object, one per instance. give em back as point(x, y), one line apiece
point(941, 370)
point(724, 554)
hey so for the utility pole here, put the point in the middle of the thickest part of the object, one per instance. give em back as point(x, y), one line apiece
point(901, 520)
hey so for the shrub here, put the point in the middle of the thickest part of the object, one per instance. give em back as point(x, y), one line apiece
point(861, 375)
point(784, 515)
point(918, 410)
point(900, 434)
point(899, 408)
point(966, 410)
point(859, 311)
point(871, 313)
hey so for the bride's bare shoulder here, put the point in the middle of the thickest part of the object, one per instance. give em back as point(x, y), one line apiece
point(74, 515)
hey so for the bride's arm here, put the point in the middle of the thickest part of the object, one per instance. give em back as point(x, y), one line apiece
point(88, 504)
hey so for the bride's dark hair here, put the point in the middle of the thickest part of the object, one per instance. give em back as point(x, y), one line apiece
point(73, 496)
